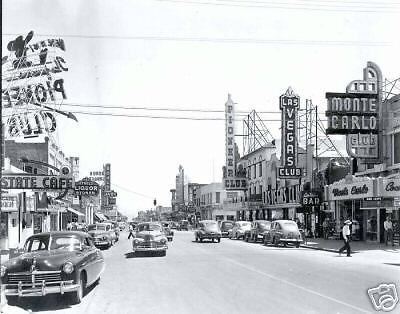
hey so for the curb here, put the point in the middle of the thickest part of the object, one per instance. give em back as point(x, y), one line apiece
point(323, 249)
point(319, 248)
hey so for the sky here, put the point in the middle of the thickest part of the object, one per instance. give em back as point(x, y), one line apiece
point(189, 55)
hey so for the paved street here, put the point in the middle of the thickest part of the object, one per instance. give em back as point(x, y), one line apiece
point(231, 277)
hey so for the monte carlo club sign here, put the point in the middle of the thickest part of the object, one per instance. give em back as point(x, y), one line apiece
point(289, 104)
point(356, 114)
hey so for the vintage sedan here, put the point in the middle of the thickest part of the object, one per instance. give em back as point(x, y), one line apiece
point(226, 226)
point(103, 235)
point(169, 233)
point(283, 232)
point(258, 228)
point(149, 236)
point(239, 229)
point(59, 262)
point(208, 229)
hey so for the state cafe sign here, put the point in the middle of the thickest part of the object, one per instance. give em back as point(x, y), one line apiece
point(36, 182)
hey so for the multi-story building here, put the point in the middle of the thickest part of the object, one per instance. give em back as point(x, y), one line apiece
point(40, 210)
point(212, 202)
point(372, 193)
point(173, 199)
point(180, 190)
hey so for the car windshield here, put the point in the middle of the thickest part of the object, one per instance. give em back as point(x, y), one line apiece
point(211, 225)
point(290, 226)
point(99, 227)
point(227, 225)
point(265, 224)
point(38, 243)
point(68, 243)
point(245, 224)
point(91, 227)
point(148, 227)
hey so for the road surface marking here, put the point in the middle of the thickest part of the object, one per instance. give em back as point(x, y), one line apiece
point(297, 286)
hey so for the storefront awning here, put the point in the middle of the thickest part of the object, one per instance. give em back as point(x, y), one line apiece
point(75, 211)
point(100, 217)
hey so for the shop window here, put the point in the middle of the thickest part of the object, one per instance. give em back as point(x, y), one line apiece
point(217, 197)
point(28, 169)
point(371, 225)
point(260, 169)
point(396, 148)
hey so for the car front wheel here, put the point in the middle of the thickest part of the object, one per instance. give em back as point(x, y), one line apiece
point(79, 293)
point(219, 240)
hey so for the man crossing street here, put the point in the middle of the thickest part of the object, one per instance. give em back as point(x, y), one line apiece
point(346, 238)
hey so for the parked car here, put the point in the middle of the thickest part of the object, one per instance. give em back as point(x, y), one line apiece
point(57, 262)
point(103, 235)
point(283, 232)
point(167, 230)
point(226, 226)
point(174, 225)
point(121, 225)
point(208, 229)
point(149, 236)
point(183, 225)
point(115, 227)
point(239, 229)
point(258, 227)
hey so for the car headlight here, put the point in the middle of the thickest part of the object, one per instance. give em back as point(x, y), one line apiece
point(68, 268)
point(3, 270)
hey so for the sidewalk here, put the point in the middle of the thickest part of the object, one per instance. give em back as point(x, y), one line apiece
point(356, 246)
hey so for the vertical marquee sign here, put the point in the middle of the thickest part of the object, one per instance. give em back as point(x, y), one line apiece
point(231, 180)
point(356, 114)
point(289, 103)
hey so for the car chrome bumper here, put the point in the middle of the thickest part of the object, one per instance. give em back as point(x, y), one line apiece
point(101, 243)
point(145, 249)
point(39, 288)
point(291, 240)
point(210, 236)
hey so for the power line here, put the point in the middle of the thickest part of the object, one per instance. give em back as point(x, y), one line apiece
point(274, 6)
point(130, 191)
point(221, 40)
point(318, 3)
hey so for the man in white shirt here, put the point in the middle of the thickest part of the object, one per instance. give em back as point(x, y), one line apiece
point(346, 238)
point(388, 226)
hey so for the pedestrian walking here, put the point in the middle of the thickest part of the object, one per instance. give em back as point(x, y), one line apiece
point(69, 225)
point(325, 226)
point(346, 238)
point(130, 231)
point(388, 226)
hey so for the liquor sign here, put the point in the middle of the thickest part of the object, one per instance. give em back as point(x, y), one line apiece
point(356, 114)
point(36, 182)
point(310, 198)
point(107, 177)
point(86, 187)
point(230, 178)
point(289, 103)
point(9, 203)
point(357, 190)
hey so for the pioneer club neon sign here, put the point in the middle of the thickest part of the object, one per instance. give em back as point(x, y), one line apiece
point(289, 103)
